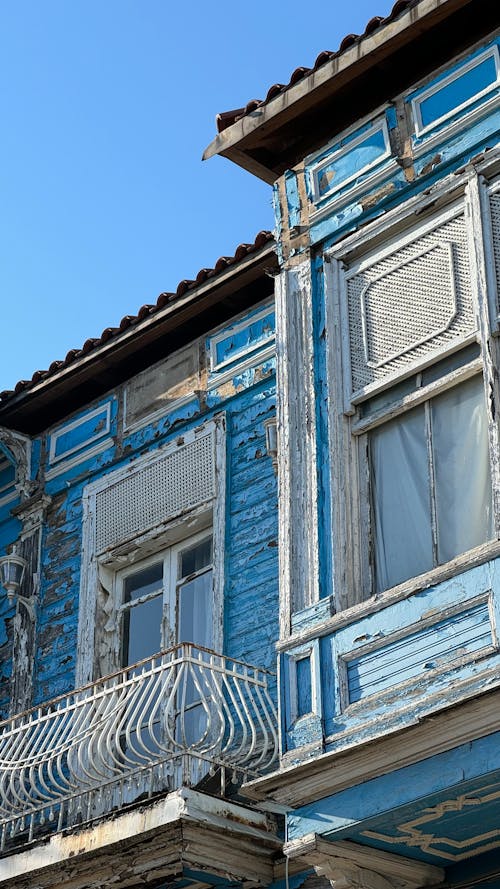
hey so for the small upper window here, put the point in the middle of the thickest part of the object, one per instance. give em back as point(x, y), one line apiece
point(353, 158)
point(460, 91)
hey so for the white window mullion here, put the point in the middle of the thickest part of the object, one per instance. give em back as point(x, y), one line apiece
point(432, 482)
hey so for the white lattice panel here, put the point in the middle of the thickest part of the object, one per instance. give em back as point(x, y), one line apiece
point(495, 221)
point(150, 495)
point(409, 304)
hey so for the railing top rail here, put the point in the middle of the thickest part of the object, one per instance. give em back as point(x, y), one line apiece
point(176, 653)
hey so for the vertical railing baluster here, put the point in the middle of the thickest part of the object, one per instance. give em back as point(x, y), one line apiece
point(159, 724)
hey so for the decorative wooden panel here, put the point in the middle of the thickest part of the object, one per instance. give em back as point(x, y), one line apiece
point(178, 480)
point(409, 304)
point(416, 653)
point(495, 222)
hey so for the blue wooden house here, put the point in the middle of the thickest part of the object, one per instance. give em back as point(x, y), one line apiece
point(139, 609)
point(147, 737)
point(385, 163)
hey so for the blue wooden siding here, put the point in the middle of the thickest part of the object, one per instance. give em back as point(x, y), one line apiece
point(392, 666)
point(251, 569)
point(413, 654)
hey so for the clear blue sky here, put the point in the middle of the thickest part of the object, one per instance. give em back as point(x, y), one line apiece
point(106, 107)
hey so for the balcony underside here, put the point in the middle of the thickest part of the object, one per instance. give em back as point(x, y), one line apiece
point(186, 836)
point(442, 810)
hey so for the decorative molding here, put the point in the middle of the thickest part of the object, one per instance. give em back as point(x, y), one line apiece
point(80, 457)
point(351, 866)
point(20, 447)
point(337, 770)
point(297, 446)
point(101, 429)
point(410, 834)
point(32, 512)
point(241, 354)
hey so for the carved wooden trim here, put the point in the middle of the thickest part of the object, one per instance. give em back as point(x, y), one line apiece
point(351, 866)
point(20, 447)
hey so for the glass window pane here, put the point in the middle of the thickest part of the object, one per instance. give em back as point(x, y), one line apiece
point(461, 467)
point(401, 499)
point(460, 91)
point(147, 580)
point(195, 610)
point(141, 629)
point(196, 557)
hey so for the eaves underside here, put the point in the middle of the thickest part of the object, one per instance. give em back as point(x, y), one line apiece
point(277, 134)
point(112, 363)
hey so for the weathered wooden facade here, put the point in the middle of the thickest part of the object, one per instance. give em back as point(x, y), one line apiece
point(138, 746)
point(137, 659)
point(385, 162)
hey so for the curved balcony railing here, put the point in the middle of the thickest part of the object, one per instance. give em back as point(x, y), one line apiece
point(186, 715)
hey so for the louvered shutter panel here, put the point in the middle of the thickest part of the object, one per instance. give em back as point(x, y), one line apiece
point(409, 305)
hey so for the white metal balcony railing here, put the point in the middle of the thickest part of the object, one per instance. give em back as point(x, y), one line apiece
point(186, 714)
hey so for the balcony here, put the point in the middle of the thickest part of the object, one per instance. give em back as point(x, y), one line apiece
point(187, 717)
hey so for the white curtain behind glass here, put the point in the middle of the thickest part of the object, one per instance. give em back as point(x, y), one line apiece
point(400, 495)
point(452, 434)
point(461, 466)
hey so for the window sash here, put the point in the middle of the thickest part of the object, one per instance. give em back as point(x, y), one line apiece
point(439, 504)
point(169, 599)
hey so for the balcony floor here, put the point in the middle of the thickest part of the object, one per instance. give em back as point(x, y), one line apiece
point(183, 833)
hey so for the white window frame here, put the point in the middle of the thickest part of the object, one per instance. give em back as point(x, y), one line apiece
point(169, 556)
point(377, 125)
point(420, 128)
point(98, 638)
point(352, 515)
point(266, 344)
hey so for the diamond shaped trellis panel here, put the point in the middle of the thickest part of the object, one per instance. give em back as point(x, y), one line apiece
point(409, 305)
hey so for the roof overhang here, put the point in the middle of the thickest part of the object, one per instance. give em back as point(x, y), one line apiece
point(379, 66)
point(127, 353)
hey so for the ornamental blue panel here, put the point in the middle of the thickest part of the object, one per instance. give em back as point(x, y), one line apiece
point(350, 160)
point(459, 91)
point(80, 433)
point(235, 343)
point(439, 644)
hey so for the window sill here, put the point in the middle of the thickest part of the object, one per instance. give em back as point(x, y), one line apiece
point(465, 561)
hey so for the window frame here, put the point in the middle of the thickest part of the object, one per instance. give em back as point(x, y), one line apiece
point(98, 640)
point(352, 513)
point(169, 557)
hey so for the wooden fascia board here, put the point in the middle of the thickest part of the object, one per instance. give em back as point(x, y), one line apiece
point(327, 856)
point(329, 773)
point(237, 141)
point(144, 332)
point(185, 828)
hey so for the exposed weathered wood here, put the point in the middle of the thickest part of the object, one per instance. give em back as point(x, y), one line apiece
point(297, 449)
point(185, 829)
point(335, 771)
point(490, 347)
point(351, 866)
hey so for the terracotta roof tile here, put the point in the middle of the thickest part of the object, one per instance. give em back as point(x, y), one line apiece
point(226, 118)
point(145, 311)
